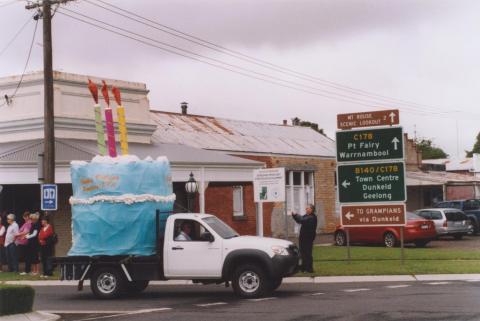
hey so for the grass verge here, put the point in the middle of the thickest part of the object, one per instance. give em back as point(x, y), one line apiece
point(332, 261)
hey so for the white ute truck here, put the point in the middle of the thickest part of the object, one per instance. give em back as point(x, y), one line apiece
point(254, 266)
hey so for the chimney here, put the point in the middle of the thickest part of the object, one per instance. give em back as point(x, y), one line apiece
point(285, 122)
point(184, 107)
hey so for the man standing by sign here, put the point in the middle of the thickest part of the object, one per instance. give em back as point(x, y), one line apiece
point(308, 231)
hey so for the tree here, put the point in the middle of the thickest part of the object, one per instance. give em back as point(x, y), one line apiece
point(298, 122)
point(429, 150)
point(476, 147)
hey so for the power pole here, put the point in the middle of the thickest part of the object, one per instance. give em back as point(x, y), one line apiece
point(49, 123)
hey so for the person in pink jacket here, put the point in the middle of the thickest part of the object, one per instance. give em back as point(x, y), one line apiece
point(21, 239)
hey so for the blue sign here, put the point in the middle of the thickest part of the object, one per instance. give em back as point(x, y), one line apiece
point(49, 197)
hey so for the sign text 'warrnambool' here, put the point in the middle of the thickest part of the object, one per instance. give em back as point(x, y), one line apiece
point(370, 144)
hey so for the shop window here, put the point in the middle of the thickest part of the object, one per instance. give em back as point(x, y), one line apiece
point(238, 201)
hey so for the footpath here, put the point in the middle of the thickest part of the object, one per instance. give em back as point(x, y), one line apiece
point(301, 279)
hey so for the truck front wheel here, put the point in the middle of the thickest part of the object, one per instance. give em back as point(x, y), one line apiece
point(107, 283)
point(250, 281)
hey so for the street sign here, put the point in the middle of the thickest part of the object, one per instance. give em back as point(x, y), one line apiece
point(49, 196)
point(269, 185)
point(374, 182)
point(373, 215)
point(368, 119)
point(370, 144)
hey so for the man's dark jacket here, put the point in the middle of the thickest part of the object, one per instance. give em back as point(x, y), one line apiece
point(308, 229)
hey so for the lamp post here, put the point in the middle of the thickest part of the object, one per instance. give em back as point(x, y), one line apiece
point(191, 187)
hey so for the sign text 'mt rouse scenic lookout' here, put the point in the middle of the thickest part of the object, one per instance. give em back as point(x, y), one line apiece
point(371, 169)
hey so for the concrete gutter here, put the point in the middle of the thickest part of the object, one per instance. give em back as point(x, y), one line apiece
point(303, 279)
point(33, 316)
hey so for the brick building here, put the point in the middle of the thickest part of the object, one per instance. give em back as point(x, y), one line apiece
point(307, 155)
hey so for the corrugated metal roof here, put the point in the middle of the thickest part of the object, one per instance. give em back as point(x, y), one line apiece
point(423, 178)
point(240, 136)
point(68, 150)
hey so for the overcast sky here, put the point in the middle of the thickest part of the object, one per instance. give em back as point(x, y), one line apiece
point(426, 52)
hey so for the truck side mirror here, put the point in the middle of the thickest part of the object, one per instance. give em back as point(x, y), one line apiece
point(207, 236)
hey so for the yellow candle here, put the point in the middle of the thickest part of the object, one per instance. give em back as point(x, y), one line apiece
point(122, 128)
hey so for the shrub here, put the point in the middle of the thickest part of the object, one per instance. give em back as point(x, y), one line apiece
point(16, 299)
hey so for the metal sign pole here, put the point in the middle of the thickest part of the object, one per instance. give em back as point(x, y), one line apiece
point(349, 257)
point(402, 254)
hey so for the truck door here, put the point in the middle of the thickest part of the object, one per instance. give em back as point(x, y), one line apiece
point(189, 254)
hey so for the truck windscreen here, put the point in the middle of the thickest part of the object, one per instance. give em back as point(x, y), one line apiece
point(220, 227)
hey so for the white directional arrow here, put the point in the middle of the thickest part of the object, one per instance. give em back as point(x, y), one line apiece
point(392, 117)
point(345, 184)
point(395, 142)
point(349, 216)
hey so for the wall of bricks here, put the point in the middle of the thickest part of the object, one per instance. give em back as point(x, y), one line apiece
point(219, 202)
point(460, 192)
point(325, 192)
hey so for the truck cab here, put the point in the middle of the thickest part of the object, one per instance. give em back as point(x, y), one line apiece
point(197, 247)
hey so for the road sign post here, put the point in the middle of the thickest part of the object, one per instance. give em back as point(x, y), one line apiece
point(368, 119)
point(370, 144)
point(371, 171)
point(371, 182)
point(49, 197)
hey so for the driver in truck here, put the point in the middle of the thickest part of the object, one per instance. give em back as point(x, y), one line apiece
point(185, 232)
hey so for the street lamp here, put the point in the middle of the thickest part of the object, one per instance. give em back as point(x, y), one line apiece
point(191, 187)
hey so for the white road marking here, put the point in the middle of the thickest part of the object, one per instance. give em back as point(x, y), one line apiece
point(86, 311)
point(262, 299)
point(438, 283)
point(397, 286)
point(314, 294)
point(356, 290)
point(126, 314)
point(210, 304)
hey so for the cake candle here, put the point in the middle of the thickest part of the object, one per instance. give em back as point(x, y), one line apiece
point(122, 126)
point(98, 119)
point(112, 150)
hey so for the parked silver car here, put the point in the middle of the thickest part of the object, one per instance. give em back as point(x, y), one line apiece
point(448, 221)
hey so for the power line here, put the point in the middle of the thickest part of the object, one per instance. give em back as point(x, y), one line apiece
point(208, 44)
point(305, 88)
point(15, 36)
point(9, 98)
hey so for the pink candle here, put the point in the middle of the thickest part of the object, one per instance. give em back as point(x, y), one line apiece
point(112, 150)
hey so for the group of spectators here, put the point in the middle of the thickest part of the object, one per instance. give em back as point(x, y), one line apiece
point(33, 241)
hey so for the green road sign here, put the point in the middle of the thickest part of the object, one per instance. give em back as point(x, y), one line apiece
point(370, 144)
point(376, 182)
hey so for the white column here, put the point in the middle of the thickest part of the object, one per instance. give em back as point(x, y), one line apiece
point(203, 187)
point(259, 219)
point(303, 204)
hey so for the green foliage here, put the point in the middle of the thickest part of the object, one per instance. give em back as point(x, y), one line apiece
point(429, 150)
point(305, 123)
point(15, 299)
point(476, 147)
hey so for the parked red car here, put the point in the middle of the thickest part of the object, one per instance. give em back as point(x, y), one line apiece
point(418, 231)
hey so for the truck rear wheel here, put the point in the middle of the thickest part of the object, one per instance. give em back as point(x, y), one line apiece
point(250, 281)
point(136, 286)
point(107, 283)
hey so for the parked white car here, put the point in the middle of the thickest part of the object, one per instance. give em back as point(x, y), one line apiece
point(448, 221)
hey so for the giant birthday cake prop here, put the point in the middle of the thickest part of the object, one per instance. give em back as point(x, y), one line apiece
point(115, 199)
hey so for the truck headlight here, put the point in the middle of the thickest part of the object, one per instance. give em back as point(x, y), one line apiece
point(280, 250)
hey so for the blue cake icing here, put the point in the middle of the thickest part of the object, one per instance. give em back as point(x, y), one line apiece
point(114, 204)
